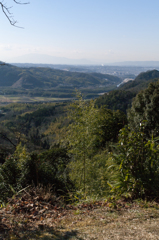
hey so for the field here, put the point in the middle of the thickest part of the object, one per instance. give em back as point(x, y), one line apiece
point(23, 99)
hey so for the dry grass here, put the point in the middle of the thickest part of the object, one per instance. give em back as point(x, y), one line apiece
point(36, 213)
point(83, 222)
point(112, 224)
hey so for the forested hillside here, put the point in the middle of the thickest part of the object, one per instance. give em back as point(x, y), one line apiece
point(141, 81)
point(57, 154)
point(122, 97)
point(30, 78)
point(84, 127)
point(82, 135)
point(47, 84)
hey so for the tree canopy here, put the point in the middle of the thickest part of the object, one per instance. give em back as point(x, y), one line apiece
point(145, 109)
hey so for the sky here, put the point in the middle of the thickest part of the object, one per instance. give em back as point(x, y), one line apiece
point(101, 31)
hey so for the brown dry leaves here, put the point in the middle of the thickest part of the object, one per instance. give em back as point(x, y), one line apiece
point(32, 216)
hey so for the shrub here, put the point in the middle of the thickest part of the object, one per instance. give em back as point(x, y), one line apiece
point(23, 169)
point(138, 164)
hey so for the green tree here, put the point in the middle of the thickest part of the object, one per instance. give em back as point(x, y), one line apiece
point(116, 100)
point(89, 131)
point(81, 138)
point(145, 109)
point(22, 169)
point(135, 165)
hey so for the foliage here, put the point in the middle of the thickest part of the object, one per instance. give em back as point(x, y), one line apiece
point(23, 169)
point(145, 108)
point(116, 100)
point(3, 155)
point(8, 178)
point(108, 125)
point(135, 165)
point(97, 175)
point(29, 124)
point(46, 78)
point(141, 82)
point(53, 169)
point(89, 132)
point(83, 160)
point(147, 75)
point(121, 99)
point(81, 138)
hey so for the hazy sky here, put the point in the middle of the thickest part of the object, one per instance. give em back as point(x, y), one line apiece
point(102, 31)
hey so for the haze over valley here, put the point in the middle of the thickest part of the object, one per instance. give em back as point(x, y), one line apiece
point(30, 82)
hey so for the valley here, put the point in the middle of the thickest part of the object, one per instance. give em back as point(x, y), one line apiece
point(79, 120)
point(52, 83)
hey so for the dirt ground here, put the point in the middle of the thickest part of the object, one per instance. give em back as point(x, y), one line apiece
point(34, 218)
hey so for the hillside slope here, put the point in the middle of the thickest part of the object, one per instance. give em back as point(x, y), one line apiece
point(121, 98)
point(46, 78)
point(141, 81)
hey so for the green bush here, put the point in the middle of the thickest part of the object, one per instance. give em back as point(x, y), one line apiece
point(53, 169)
point(23, 169)
point(137, 165)
point(9, 178)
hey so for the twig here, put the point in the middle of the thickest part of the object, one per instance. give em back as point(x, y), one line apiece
point(8, 14)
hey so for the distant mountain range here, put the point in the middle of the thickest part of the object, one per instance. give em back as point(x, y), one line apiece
point(48, 59)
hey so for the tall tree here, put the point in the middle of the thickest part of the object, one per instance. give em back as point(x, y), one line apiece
point(81, 138)
point(145, 110)
point(90, 129)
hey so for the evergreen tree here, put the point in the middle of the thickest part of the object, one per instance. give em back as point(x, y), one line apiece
point(145, 110)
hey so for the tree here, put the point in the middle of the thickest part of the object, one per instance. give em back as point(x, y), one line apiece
point(81, 139)
point(9, 16)
point(145, 109)
point(90, 130)
point(116, 100)
point(7, 12)
point(135, 165)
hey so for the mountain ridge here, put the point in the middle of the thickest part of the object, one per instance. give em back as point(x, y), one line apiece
point(46, 78)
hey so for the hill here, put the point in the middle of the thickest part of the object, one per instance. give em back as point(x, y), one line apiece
point(121, 99)
point(46, 78)
point(141, 81)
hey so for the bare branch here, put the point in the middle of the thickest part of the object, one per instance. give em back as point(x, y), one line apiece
point(20, 2)
point(8, 14)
